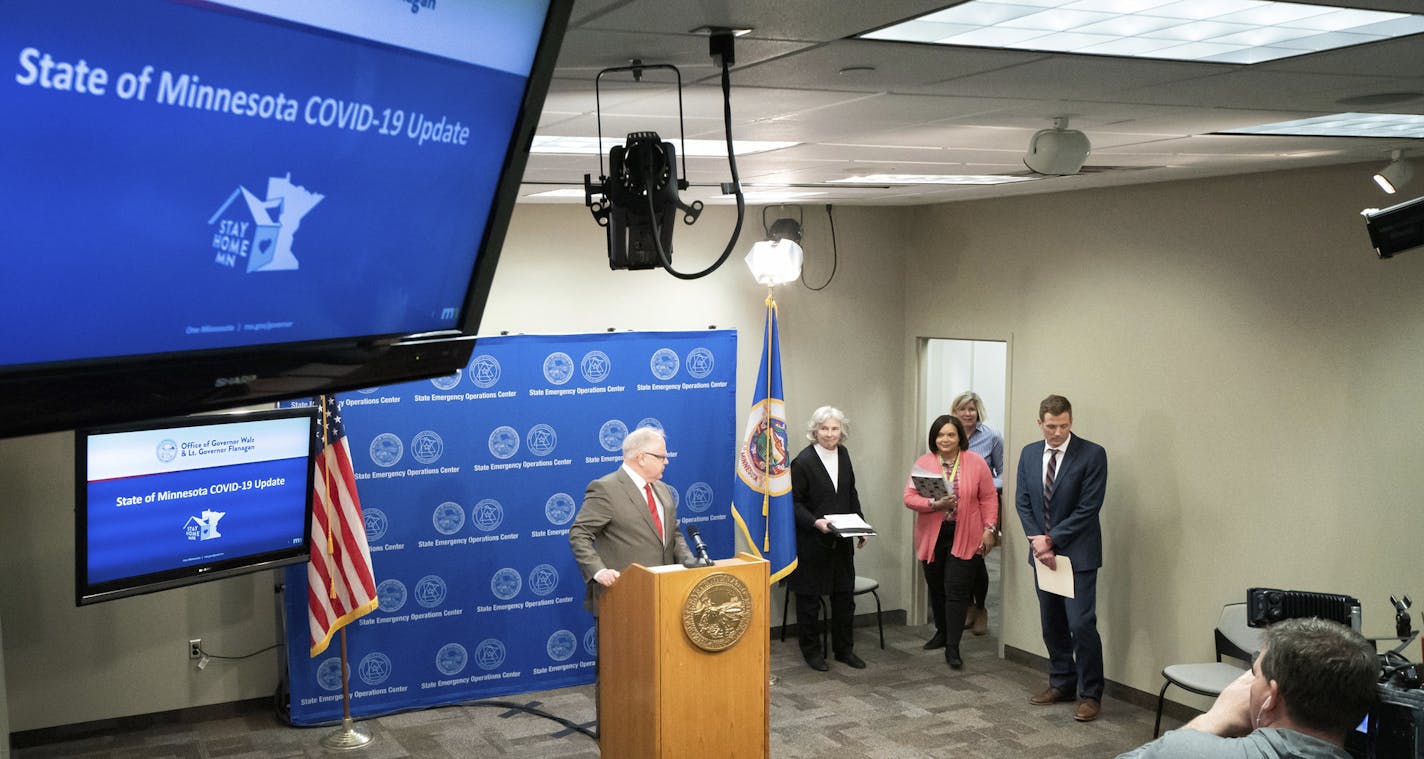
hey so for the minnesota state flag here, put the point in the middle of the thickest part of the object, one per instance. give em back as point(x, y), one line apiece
point(761, 493)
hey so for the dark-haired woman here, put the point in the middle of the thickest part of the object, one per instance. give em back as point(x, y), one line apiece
point(951, 530)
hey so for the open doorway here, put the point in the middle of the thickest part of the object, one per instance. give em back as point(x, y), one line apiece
point(949, 367)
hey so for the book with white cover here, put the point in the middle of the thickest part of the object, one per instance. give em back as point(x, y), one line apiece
point(849, 525)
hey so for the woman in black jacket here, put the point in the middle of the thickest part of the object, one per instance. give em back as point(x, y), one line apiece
point(823, 482)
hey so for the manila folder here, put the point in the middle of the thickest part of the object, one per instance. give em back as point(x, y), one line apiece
point(1059, 580)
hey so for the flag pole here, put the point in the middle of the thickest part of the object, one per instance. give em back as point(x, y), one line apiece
point(770, 433)
point(346, 737)
point(771, 678)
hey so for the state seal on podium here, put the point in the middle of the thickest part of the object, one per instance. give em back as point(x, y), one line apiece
point(717, 612)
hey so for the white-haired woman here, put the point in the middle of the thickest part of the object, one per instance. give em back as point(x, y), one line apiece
point(823, 482)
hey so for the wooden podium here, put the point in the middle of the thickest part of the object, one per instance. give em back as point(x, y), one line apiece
point(663, 695)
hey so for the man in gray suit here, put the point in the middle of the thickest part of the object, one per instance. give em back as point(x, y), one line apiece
point(627, 517)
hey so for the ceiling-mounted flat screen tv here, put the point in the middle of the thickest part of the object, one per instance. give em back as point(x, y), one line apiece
point(174, 502)
point(210, 204)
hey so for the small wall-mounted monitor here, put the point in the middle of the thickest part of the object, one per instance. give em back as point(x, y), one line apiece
point(175, 502)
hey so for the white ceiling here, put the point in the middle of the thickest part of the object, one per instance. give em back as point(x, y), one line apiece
point(942, 110)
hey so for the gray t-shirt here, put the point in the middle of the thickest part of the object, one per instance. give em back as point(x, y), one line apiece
point(1266, 743)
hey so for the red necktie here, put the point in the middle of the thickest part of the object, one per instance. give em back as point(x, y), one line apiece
point(653, 509)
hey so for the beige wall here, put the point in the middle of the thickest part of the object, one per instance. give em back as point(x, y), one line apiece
point(1248, 364)
point(1234, 344)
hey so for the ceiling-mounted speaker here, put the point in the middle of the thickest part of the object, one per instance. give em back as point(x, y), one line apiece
point(1059, 151)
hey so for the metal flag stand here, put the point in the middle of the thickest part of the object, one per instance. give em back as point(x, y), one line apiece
point(346, 737)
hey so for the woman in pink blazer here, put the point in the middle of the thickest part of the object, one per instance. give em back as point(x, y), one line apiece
point(952, 529)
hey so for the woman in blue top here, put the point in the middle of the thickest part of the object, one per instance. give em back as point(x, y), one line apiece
point(969, 408)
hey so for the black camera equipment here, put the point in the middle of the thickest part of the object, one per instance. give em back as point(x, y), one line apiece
point(1267, 605)
point(1401, 615)
point(1394, 728)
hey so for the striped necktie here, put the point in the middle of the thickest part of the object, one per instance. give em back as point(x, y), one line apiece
point(1048, 483)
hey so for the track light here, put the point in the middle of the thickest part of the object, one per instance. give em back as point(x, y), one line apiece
point(1059, 151)
point(1395, 175)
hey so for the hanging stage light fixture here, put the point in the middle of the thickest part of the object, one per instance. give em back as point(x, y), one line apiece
point(637, 201)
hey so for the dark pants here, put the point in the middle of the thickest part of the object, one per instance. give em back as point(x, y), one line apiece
point(979, 590)
point(1070, 632)
point(949, 579)
point(808, 612)
point(979, 595)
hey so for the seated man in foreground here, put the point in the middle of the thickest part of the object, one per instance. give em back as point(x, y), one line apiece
point(1310, 685)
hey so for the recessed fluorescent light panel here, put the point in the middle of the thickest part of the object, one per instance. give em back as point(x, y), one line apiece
point(1214, 31)
point(892, 179)
point(714, 148)
point(1344, 125)
point(774, 196)
point(564, 193)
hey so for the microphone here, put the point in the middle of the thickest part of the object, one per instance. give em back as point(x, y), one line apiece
point(698, 547)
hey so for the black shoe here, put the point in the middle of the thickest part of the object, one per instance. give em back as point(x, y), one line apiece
point(818, 663)
point(951, 657)
point(850, 660)
point(936, 642)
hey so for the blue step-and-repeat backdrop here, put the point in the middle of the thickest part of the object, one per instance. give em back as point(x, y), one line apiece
point(469, 484)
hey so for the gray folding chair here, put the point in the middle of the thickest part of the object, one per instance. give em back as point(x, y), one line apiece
point(862, 585)
point(1234, 640)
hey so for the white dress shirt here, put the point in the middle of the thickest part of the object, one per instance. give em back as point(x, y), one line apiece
point(1048, 451)
point(831, 460)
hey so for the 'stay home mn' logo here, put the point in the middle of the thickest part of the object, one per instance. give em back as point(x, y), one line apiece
point(255, 234)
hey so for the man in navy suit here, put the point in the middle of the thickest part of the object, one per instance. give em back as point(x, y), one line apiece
point(1061, 483)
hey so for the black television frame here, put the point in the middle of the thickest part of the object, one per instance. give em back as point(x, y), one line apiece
point(47, 397)
point(86, 593)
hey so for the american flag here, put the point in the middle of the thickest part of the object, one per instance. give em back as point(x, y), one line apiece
point(341, 586)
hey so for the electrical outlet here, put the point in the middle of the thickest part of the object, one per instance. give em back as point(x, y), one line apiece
point(195, 648)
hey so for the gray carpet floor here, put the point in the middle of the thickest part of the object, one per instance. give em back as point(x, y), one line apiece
point(906, 705)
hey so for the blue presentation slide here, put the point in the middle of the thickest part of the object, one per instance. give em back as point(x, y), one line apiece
point(171, 520)
point(180, 177)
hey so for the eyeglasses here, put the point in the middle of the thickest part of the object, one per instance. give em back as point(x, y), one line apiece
point(659, 456)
